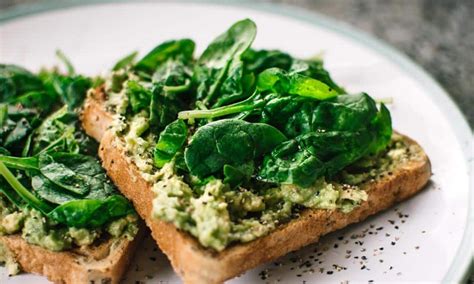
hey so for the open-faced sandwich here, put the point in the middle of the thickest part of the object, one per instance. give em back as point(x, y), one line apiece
point(60, 216)
point(240, 156)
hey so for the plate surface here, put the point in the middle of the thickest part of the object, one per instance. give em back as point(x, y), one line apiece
point(424, 239)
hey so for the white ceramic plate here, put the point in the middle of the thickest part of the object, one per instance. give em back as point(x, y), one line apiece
point(424, 239)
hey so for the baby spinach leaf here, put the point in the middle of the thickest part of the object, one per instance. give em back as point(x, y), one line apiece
point(49, 191)
point(72, 90)
point(91, 212)
point(221, 65)
point(291, 115)
point(44, 102)
point(59, 132)
point(125, 61)
point(11, 194)
point(89, 170)
point(170, 142)
point(236, 175)
point(314, 68)
point(232, 88)
point(288, 163)
point(279, 81)
point(62, 175)
point(382, 125)
point(163, 52)
point(18, 124)
point(163, 109)
point(15, 81)
point(139, 96)
point(345, 129)
point(69, 67)
point(228, 142)
point(348, 112)
point(257, 61)
point(24, 193)
point(175, 75)
point(20, 132)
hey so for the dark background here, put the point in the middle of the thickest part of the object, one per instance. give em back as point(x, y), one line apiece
point(437, 34)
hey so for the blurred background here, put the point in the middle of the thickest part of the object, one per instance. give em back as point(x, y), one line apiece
point(437, 34)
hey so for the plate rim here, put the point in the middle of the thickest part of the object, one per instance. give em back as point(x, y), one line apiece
point(464, 257)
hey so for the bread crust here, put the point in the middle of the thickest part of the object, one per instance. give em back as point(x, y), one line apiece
point(195, 264)
point(105, 262)
point(95, 119)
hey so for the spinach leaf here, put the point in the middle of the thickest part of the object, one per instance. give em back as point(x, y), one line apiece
point(42, 101)
point(344, 130)
point(74, 210)
point(125, 61)
point(348, 112)
point(15, 81)
point(60, 132)
point(279, 81)
point(229, 142)
point(175, 75)
point(17, 125)
point(382, 125)
point(170, 142)
point(61, 175)
point(219, 70)
point(11, 195)
point(273, 86)
point(72, 90)
point(235, 175)
point(291, 164)
point(314, 68)
point(138, 95)
point(24, 193)
point(51, 192)
point(85, 168)
point(291, 115)
point(20, 132)
point(91, 212)
point(163, 108)
point(257, 61)
point(163, 52)
point(69, 67)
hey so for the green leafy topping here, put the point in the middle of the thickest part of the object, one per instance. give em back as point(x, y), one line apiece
point(163, 52)
point(46, 161)
point(219, 71)
point(170, 142)
point(229, 142)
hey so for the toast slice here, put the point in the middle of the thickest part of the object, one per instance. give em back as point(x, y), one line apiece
point(194, 263)
point(105, 262)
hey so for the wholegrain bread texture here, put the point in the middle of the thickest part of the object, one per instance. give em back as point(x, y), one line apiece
point(196, 264)
point(105, 262)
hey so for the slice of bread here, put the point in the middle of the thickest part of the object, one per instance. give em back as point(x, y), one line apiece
point(105, 262)
point(194, 263)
